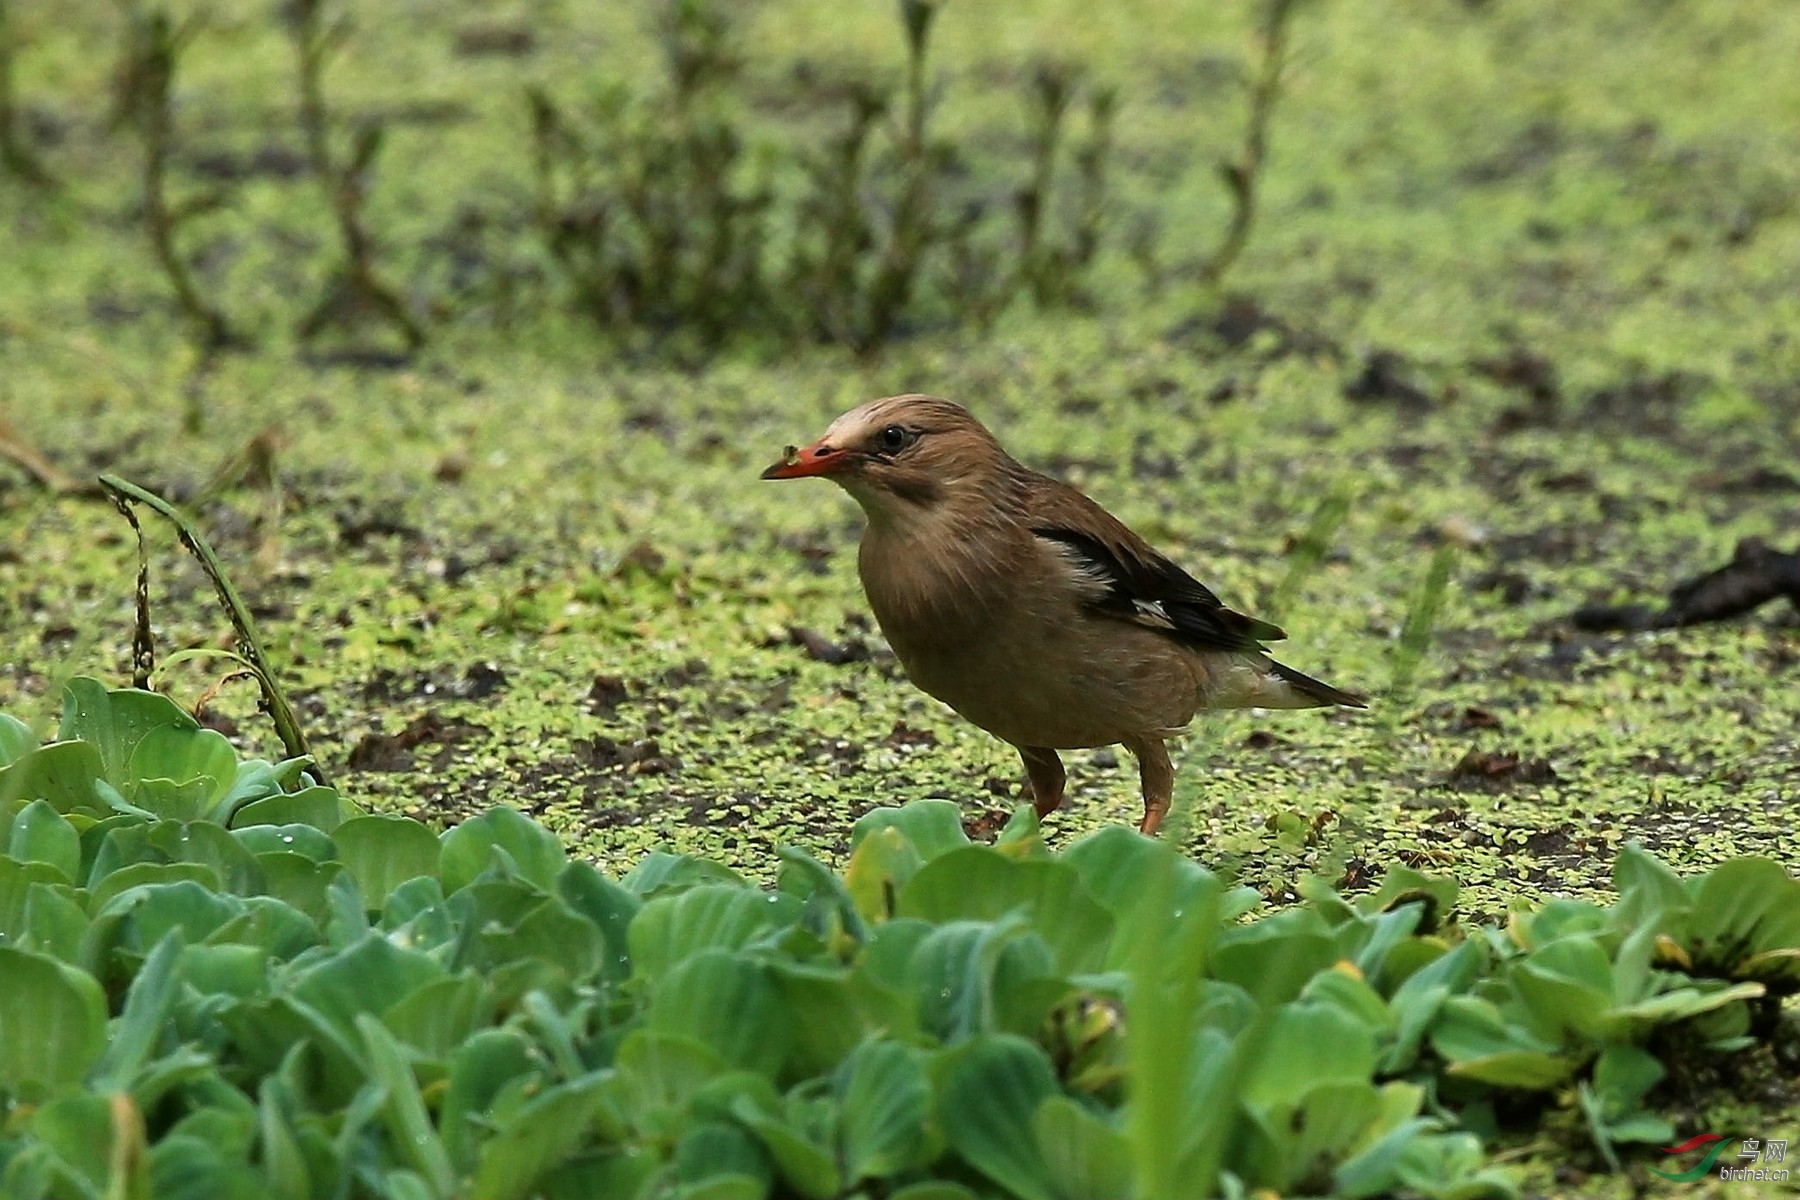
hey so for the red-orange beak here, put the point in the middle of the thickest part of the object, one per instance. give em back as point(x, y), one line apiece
point(802, 461)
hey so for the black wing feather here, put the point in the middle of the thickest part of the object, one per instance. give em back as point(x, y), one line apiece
point(1135, 584)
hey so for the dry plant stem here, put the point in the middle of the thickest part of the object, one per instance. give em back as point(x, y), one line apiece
point(252, 465)
point(275, 701)
point(1054, 88)
point(15, 156)
point(1051, 269)
point(143, 643)
point(157, 48)
point(547, 137)
point(1092, 160)
point(662, 223)
point(348, 190)
point(345, 186)
point(572, 239)
point(29, 459)
point(823, 273)
point(314, 43)
point(910, 234)
point(644, 207)
point(1243, 176)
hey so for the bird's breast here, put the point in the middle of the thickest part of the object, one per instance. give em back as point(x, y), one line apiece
point(925, 598)
point(1022, 660)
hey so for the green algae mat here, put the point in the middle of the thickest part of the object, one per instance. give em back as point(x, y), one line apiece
point(1513, 337)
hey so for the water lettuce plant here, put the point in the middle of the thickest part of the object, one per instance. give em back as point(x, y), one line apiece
point(219, 978)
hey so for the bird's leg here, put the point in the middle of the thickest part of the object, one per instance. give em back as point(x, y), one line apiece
point(1045, 770)
point(1157, 776)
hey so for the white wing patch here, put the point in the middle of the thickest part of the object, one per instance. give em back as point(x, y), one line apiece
point(1153, 614)
point(1091, 578)
point(1098, 585)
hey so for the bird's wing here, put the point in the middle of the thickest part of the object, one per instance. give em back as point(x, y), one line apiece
point(1120, 575)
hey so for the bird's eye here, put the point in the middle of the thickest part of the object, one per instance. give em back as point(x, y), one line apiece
point(894, 439)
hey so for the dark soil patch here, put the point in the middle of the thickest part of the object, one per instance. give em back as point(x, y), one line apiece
point(395, 752)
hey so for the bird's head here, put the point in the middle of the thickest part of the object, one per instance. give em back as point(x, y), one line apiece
point(900, 455)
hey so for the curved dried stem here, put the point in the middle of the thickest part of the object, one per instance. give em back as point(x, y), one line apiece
point(1243, 176)
point(274, 700)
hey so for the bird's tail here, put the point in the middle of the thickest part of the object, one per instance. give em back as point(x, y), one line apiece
point(1309, 692)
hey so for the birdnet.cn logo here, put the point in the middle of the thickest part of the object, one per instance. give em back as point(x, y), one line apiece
point(1755, 1159)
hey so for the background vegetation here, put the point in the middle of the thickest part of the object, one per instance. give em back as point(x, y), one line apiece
point(1517, 302)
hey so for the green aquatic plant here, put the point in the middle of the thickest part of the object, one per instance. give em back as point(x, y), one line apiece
point(222, 975)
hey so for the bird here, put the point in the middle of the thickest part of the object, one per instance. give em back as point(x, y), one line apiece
point(1029, 609)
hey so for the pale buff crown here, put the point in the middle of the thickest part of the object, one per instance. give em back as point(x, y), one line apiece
point(948, 459)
